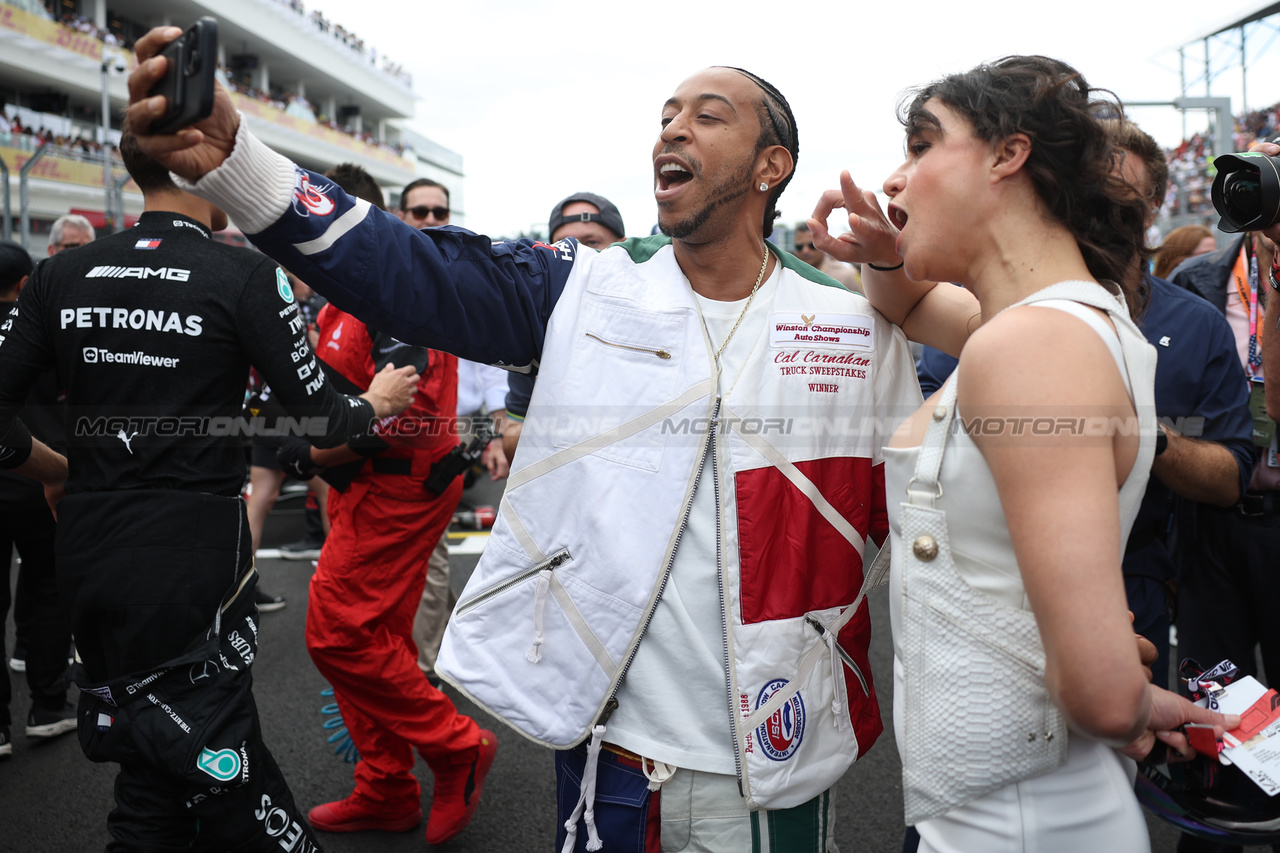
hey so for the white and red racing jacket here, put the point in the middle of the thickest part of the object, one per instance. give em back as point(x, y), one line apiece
point(624, 420)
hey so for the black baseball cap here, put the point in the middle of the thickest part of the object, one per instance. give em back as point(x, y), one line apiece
point(608, 216)
point(14, 264)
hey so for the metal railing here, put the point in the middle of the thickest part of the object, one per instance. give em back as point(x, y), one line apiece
point(8, 211)
point(24, 198)
point(74, 166)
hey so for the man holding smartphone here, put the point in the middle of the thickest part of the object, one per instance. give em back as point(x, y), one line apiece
point(644, 571)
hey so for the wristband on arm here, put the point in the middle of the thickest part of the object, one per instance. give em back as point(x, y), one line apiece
point(295, 458)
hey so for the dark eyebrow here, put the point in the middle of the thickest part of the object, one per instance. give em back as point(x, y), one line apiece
point(706, 96)
point(920, 120)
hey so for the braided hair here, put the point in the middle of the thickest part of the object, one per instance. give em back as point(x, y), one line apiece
point(777, 127)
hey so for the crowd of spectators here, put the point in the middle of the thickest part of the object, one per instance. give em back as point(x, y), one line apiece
point(297, 105)
point(1191, 162)
point(283, 100)
point(13, 132)
point(349, 39)
point(86, 26)
point(71, 20)
point(340, 34)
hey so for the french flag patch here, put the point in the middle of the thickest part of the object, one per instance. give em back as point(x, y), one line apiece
point(105, 721)
point(146, 243)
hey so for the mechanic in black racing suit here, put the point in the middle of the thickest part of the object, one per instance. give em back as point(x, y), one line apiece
point(152, 332)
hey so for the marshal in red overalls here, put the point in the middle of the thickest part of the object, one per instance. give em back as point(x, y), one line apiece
point(365, 592)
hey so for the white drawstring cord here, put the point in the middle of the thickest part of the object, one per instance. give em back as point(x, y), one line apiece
point(661, 772)
point(839, 716)
point(539, 605)
point(586, 799)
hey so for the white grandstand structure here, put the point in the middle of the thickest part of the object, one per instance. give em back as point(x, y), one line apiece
point(308, 87)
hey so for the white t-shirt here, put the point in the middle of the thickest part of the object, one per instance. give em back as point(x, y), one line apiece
point(673, 705)
point(480, 386)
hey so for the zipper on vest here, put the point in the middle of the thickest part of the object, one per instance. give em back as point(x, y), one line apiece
point(724, 612)
point(660, 353)
point(844, 656)
point(553, 562)
point(612, 703)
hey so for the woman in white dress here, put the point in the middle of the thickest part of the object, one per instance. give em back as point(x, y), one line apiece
point(1011, 492)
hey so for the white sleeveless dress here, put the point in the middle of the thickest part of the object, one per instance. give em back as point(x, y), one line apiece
point(1087, 803)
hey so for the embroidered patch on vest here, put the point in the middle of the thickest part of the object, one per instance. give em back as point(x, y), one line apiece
point(839, 331)
point(780, 735)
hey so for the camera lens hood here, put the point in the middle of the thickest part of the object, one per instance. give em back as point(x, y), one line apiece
point(1237, 174)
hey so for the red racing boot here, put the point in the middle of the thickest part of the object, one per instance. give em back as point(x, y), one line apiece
point(456, 792)
point(354, 813)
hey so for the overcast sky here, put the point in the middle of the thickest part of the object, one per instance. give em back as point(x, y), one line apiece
point(547, 98)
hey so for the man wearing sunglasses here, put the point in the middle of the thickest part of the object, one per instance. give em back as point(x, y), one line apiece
point(425, 204)
point(820, 261)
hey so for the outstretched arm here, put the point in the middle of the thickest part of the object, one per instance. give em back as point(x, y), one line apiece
point(942, 317)
point(445, 288)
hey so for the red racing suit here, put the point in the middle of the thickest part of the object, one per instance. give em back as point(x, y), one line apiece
point(369, 579)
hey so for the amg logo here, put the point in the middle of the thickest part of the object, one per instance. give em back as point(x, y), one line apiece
point(168, 273)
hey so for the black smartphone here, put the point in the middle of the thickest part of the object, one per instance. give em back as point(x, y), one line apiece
point(189, 80)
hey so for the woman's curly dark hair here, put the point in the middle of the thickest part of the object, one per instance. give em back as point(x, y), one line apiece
point(1073, 162)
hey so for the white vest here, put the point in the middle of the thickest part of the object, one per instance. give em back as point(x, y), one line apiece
point(618, 432)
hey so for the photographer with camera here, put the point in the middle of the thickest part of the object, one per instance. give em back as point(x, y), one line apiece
point(1229, 583)
point(1271, 343)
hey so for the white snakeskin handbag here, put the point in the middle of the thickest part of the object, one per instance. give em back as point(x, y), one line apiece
point(978, 716)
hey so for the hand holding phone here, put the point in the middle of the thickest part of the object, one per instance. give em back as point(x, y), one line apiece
point(189, 79)
point(191, 152)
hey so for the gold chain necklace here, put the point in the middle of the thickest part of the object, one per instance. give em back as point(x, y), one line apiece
point(763, 263)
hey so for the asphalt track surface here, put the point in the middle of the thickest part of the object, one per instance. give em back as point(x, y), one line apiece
point(53, 800)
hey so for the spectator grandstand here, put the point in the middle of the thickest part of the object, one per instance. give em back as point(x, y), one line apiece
point(121, 32)
point(309, 86)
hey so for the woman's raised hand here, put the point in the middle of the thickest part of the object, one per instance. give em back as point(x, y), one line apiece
point(871, 237)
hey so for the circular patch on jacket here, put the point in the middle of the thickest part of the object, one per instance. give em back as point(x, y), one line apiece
point(780, 735)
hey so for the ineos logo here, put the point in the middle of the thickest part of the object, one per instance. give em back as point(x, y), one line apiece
point(276, 822)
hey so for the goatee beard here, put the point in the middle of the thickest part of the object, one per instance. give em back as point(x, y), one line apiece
point(731, 189)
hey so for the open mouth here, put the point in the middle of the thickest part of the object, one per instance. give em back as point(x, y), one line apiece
point(897, 216)
point(671, 175)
